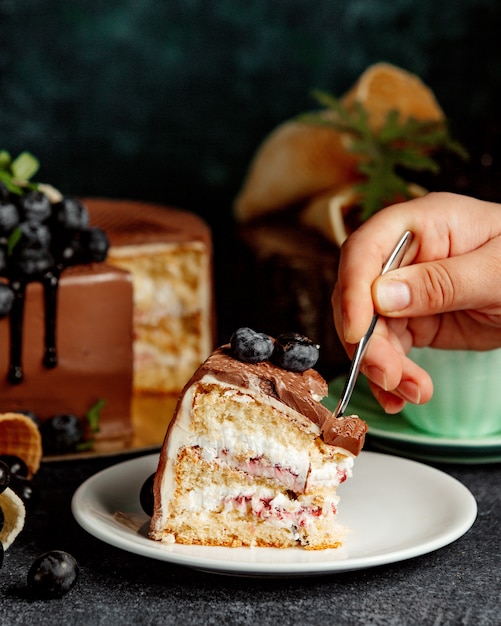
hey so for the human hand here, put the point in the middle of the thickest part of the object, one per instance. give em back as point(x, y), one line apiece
point(446, 295)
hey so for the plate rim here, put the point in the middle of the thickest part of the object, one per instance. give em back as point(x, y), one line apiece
point(140, 545)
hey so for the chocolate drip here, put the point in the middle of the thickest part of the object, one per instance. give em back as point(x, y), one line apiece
point(15, 374)
point(51, 239)
point(50, 283)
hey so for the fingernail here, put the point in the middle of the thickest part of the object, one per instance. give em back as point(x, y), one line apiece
point(392, 295)
point(377, 375)
point(409, 391)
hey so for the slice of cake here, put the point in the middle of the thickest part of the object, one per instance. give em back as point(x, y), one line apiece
point(252, 458)
point(169, 255)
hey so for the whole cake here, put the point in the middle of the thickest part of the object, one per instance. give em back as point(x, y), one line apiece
point(251, 457)
point(85, 327)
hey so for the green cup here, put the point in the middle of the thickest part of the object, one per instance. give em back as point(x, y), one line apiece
point(466, 401)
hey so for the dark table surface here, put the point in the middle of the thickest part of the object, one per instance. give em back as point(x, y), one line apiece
point(457, 584)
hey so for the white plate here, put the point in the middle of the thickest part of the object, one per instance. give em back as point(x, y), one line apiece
point(396, 509)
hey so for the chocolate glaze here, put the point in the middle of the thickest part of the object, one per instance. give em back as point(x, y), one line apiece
point(299, 391)
point(128, 222)
point(94, 358)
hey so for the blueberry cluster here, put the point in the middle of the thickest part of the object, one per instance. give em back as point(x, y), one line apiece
point(37, 237)
point(65, 433)
point(53, 573)
point(290, 351)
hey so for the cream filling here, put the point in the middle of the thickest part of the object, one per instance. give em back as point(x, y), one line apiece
point(179, 290)
point(260, 502)
point(270, 459)
point(328, 475)
point(148, 355)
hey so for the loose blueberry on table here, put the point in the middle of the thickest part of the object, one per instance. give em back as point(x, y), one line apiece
point(16, 471)
point(5, 476)
point(15, 465)
point(52, 574)
point(26, 490)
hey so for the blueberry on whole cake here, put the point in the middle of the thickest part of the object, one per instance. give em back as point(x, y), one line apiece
point(106, 308)
point(66, 325)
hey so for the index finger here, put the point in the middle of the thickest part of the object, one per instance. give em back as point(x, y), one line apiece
point(362, 258)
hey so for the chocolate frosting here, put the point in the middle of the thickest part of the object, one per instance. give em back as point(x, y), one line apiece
point(129, 222)
point(299, 391)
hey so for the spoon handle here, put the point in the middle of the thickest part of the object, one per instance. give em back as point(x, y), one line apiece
point(392, 263)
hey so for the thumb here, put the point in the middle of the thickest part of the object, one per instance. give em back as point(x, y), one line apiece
point(468, 281)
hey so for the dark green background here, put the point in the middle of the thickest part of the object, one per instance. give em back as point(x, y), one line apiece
point(167, 101)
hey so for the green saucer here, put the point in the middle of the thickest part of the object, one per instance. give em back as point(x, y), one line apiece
point(392, 433)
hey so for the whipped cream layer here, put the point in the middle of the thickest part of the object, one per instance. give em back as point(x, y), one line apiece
point(243, 446)
point(260, 502)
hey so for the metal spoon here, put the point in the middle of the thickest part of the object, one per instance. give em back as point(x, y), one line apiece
point(392, 263)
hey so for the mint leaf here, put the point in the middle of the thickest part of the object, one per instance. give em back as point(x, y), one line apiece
point(5, 160)
point(25, 166)
point(93, 415)
point(15, 174)
point(13, 239)
point(6, 179)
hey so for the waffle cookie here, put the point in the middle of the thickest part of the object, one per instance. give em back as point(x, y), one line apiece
point(20, 436)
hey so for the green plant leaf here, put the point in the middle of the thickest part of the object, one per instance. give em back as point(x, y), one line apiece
point(13, 239)
point(25, 166)
point(93, 415)
point(5, 159)
point(408, 144)
point(6, 179)
point(15, 174)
